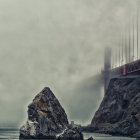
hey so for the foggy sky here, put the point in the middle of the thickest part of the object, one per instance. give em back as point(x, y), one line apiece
point(59, 44)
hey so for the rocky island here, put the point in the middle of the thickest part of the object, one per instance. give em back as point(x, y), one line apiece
point(119, 112)
point(48, 120)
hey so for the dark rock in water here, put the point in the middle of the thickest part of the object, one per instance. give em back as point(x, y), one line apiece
point(119, 112)
point(91, 138)
point(46, 117)
point(71, 134)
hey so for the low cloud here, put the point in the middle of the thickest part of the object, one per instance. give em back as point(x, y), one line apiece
point(59, 44)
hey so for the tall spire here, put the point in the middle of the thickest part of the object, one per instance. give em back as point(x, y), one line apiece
point(125, 47)
point(137, 35)
point(122, 48)
point(116, 56)
point(120, 54)
point(129, 45)
point(133, 40)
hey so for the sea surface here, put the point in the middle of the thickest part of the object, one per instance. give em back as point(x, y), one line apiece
point(13, 134)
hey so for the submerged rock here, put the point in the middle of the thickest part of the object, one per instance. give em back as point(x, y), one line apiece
point(71, 134)
point(46, 117)
point(119, 112)
point(91, 138)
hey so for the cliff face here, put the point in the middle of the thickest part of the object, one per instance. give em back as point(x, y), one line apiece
point(46, 117)
point(119, 112)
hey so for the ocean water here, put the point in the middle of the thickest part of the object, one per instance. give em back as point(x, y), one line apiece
point(97, 136)
point(14, 134)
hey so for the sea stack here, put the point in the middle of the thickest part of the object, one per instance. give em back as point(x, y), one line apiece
point(46, 117)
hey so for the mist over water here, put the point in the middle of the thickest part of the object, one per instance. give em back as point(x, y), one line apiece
point(84, 99)
point(14, 134)
point(106, 137)
point(58, 44)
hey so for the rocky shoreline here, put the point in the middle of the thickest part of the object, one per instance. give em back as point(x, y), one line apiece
point(119, 112)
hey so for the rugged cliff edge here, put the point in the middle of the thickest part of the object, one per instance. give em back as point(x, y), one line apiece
point(119, 112)
point(46, 117)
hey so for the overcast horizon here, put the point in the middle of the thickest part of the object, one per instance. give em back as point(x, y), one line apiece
point(58, 44)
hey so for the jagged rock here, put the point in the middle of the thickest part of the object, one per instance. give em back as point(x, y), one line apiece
point(71, 134)
point(119, 112)
point(46, 117)
point(91, 138)
point(137, 135)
